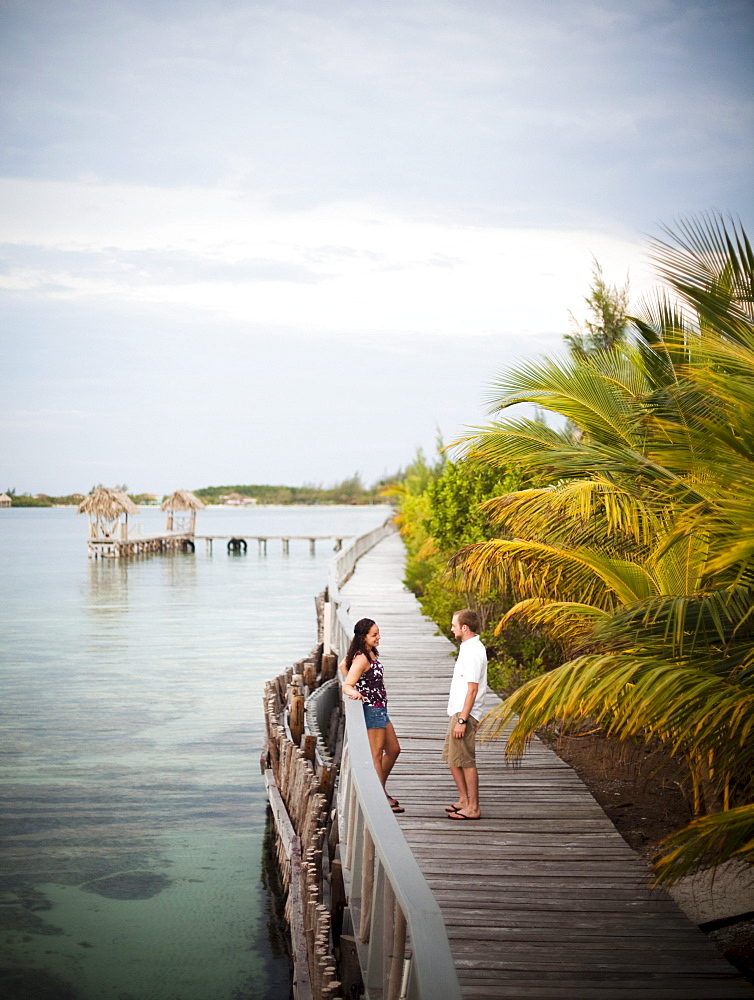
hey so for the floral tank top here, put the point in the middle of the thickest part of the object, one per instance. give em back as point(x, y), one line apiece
point(372, 686)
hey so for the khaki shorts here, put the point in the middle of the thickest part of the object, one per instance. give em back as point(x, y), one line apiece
point(460, 753)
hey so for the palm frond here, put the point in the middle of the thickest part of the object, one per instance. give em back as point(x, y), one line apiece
point(535, 569)
point(707, 841)
point(596, 393)
point(665, 329)
point(691, 711)
point(552, 512)
point(710, 262)
point(566, 622)
point(712, 628)
point(516, 442)
point(680, 568)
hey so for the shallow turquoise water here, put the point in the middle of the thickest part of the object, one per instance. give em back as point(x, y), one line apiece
point(133, 806)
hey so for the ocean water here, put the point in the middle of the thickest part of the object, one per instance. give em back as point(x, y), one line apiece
point(133, 818)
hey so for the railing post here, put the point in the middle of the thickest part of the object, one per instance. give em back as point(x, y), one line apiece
point(356, 846)
point(344, 793)
point(398, 958)
point(367, 889)
point(352, 807)
point(376, 962)
point(327, 629)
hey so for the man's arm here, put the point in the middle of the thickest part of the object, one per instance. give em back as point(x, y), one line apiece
point(458, 731)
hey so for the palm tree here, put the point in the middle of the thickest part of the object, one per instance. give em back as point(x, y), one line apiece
point(640, 557)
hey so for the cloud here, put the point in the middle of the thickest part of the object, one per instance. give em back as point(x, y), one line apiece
point(554, 113)
point(340, 268)
point(29, 267)
point(236, 213)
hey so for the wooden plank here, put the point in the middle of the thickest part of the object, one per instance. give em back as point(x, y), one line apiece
point(279, 814)
point(302, 985)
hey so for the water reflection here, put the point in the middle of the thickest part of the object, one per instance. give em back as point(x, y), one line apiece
point(108, 586)
point(179, 569)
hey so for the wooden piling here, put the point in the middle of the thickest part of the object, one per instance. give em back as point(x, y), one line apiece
point(300, 792)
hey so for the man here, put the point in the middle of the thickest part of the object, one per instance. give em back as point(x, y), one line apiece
point(465, 709)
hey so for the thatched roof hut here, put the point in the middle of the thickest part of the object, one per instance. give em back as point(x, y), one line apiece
point(105, 508)
point(181, 508)
point(5, 500)
point(107, 503)
point(182, 500)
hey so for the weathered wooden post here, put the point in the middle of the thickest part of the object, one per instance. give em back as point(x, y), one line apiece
point(309, 746)
point(310, 676)
point(296, 718)
point(329, 664)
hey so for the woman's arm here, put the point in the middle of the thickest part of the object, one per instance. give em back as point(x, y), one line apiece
point(359, 665)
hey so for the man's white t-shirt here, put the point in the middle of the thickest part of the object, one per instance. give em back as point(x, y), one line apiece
point(471, 667)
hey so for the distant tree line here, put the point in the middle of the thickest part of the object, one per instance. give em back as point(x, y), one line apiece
point(349, 491)
point(42, 499)
point(68, 499)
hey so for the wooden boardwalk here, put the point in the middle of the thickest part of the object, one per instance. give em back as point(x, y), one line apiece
point(542, 898)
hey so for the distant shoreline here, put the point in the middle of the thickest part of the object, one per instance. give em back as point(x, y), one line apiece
point(209, 506)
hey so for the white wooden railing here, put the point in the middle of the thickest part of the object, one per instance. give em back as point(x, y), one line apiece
point(397, 925)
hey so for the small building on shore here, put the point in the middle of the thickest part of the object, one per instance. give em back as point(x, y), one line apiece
point(238, 500)
point(5, 500)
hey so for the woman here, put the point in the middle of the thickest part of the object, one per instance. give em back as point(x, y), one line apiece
point(364, 683)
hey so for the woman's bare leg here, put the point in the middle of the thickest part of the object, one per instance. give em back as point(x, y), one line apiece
point(377, 746)
point(391, 752)
point(385, 750)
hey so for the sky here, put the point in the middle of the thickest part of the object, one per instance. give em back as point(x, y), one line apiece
point(286, 241)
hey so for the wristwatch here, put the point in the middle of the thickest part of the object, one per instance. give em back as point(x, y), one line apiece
point(462, 722)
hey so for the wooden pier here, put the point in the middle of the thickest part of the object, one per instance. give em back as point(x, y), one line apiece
point(137, 545)
point(109, 534)
point(240, 542)
point(542, 899)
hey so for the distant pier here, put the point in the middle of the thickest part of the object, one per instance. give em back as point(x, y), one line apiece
point(109, 535)
point(240, 542)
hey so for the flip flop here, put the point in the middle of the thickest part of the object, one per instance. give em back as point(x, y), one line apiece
point(392, 802)
point(452, 809)
point(463, 816)
point(397, 809)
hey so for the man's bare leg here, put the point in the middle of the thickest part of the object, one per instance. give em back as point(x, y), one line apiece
point(460, 779)
point(467, 783)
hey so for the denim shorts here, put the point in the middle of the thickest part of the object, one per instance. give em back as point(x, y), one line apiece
point(375, 718)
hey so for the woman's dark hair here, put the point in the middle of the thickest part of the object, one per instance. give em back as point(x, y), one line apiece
point(360, 631)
